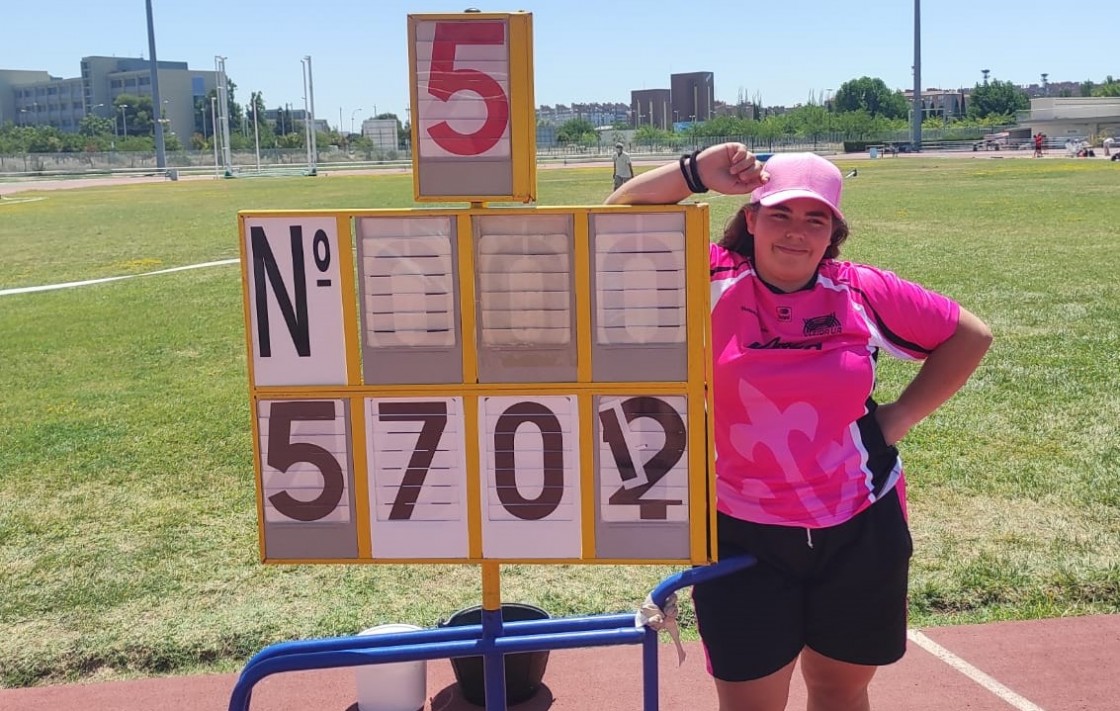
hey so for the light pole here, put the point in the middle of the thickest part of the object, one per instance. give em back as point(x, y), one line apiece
point(352, 120)
point(916, 117)
point(255, 98)
point(124, 120)
point(223, 112)
point(157, 105)
point(828, 114)
point(309, 105)
point(214, 130)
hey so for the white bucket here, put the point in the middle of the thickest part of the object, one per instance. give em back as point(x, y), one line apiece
point(399, 686)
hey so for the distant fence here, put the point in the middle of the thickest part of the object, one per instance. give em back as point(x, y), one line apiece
point(46, 165)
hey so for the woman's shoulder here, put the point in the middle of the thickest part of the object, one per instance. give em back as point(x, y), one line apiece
point(870, 282)
point(721, 258)
point(855, 273)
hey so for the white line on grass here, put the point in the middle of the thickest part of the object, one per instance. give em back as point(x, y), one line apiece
point(972, 672)
point(72, 284)
point(19, 200)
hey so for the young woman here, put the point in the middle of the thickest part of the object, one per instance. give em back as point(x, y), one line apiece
point(808, 478)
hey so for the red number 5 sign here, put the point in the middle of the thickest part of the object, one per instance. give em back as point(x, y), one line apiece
point(474, 134)
point(473, 95)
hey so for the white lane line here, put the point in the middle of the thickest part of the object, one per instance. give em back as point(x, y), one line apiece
point(18, 200)
point(72, 284)
point(972, 672)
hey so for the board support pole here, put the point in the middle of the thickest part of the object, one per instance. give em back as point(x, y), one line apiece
point(493, 662)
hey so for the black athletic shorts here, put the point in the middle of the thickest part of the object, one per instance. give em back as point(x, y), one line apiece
point(840, 591)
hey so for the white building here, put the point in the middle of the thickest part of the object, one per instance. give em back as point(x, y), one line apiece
point(1084, 117)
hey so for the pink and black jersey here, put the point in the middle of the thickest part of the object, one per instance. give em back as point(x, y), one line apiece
point(796, 439)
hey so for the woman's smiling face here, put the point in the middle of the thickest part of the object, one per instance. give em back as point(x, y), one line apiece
point(790, 240)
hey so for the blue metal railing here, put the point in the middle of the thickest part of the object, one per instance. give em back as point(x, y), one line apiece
point(492, 639)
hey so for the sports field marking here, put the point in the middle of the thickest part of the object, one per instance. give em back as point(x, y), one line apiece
point(972, 672)
point(19, 200)
point(88, 282)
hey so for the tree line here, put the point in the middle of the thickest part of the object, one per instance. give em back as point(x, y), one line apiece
point(861, 109)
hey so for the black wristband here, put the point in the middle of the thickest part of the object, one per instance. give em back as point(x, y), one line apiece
point(697, 184)
point(685, 171)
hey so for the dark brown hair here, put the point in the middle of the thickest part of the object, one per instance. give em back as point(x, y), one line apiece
point(737, 238)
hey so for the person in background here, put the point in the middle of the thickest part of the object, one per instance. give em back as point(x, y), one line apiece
point(623, 168)
point(808, 475)
point(1038, 144)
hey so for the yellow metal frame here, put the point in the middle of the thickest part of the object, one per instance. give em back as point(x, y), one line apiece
point(522, 107)
point(695, 387)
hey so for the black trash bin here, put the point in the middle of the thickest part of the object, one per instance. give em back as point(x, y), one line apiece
point(524, 670)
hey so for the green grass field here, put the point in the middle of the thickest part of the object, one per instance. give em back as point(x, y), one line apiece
point(128, 541)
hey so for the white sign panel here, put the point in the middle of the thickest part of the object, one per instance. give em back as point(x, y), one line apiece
point(295, 301)
point(417, 468)
point(531, 499)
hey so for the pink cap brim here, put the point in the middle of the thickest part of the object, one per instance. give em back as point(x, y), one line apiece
point(792, 194)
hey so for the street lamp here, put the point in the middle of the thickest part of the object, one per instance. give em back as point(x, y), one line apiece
point(352, 120)
point(124, 120)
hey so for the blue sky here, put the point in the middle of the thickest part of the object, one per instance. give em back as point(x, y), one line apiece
point(584, 51)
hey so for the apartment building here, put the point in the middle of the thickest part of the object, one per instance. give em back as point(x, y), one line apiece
point(35, 98)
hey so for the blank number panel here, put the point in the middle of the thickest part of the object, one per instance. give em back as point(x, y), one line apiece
point(409, 292)
point(526, 305)
point(639, 293)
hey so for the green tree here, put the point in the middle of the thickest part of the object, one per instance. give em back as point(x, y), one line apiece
point(997, 99)
point(574, 131)
point(134, 115)
point(872, 96)
point(255, 118)
point(91, 126)
point(647, 135)
point(1110, 87)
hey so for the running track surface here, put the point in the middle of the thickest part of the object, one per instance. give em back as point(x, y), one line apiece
point(1067, 664)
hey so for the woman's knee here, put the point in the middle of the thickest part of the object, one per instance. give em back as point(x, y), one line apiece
point(833, 684)
point(769, 693)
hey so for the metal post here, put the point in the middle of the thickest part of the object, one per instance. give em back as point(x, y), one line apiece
point(223, 112)
point(214, 131)
point(256, 131)
point(306, 117)
point(916, 118)
point(157, 106)
point(314, 138)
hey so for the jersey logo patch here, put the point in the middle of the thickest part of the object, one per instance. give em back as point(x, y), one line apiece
point(822, 325)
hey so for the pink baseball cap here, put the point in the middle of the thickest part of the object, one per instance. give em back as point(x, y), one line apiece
point(798, 175)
